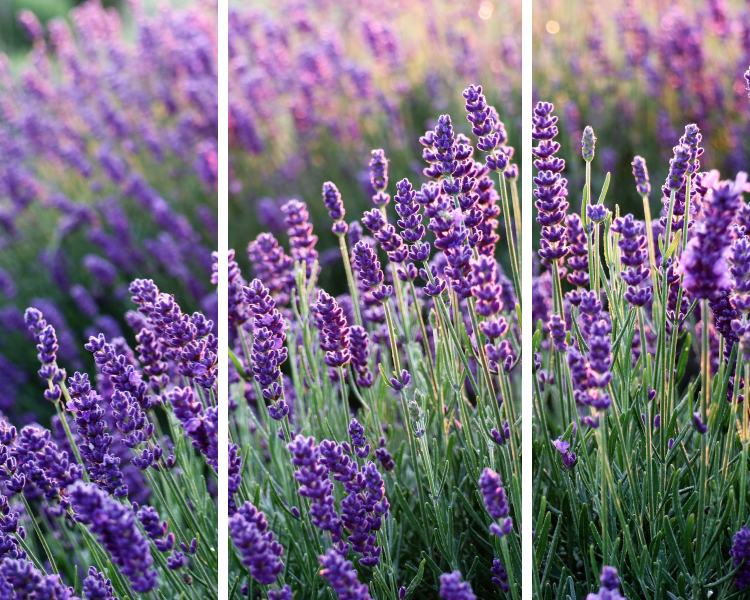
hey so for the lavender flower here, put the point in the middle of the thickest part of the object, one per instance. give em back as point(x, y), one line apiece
point(334, 336)
point(379, 178)
point(301, 237)
point(634, 255)
point(588, 143)
point(640, 172)
point(261, 554)
point(332, 200)
point(369, 272)
point(568, 458)
point(741, 554)
point(610, 588)
point(342, 577)
point(495, 501)
point(551, 187)
point(268, 351)
point(500, 578)
point(272, 266)
point(359, 441)
point(104, 468)
point(452, 588)
point(314, 484)
point(115, 528)
point(360, 350)
point(704, 262)
point(97, 587)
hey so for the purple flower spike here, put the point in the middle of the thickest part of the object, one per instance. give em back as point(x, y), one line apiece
point(334, 336)
point(379, 177)
point(284, 593)
point(359, 441)
point(248, 529)
point(678, 167)
point(360, 351)
point(610, 588)
point(97, 587)
point(314, 484)
point(640, 172)
point(551, 187)
point(588, 144)
point(704, 262)
point(332, 200)
point(301, 238)
point(634, 257)
point(369, 272)
point(272, 266)
point(342, 576)
point(500, 578)
point(452, 588)
point(741, 554)
point(495, 501)
point(116, 529)
point(558, 333)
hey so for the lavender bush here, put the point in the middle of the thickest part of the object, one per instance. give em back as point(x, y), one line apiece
point(108, 137)
point(640, 361)
point(118, 497)
point(315, 85)
point(375, 435)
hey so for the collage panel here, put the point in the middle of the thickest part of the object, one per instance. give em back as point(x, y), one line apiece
point(640, 299)
point(374, 300)
point(108, 312)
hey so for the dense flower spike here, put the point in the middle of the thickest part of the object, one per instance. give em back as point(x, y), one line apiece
point(301, 237)
point(314, 484)
point(369, 272)
point(704, 262)
point(496, 502)
point(342, 576)
point(588, 144)
point(97, 587)
point(334, 335)
point(634, 257)
point(360, 352)
point(452, 588)
point(268, 350)
point(610, 588)
point(640, 172)
point(103, 467)
point(379, 178)
point(332, 200)
point(261, 554)
point(551, 186)
point(500, 578)
point(271, 265)
point(116, 529)
point(741, 554)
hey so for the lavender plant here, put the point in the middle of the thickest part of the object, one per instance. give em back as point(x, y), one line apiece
point(117, 499)
point(641, 429)
point(375, 435)
point(109, 144)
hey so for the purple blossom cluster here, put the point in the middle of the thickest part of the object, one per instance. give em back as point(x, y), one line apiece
point(116, 529)
point(261, 553)
point(551, 186)
point(496, 502)
point(632, 243)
